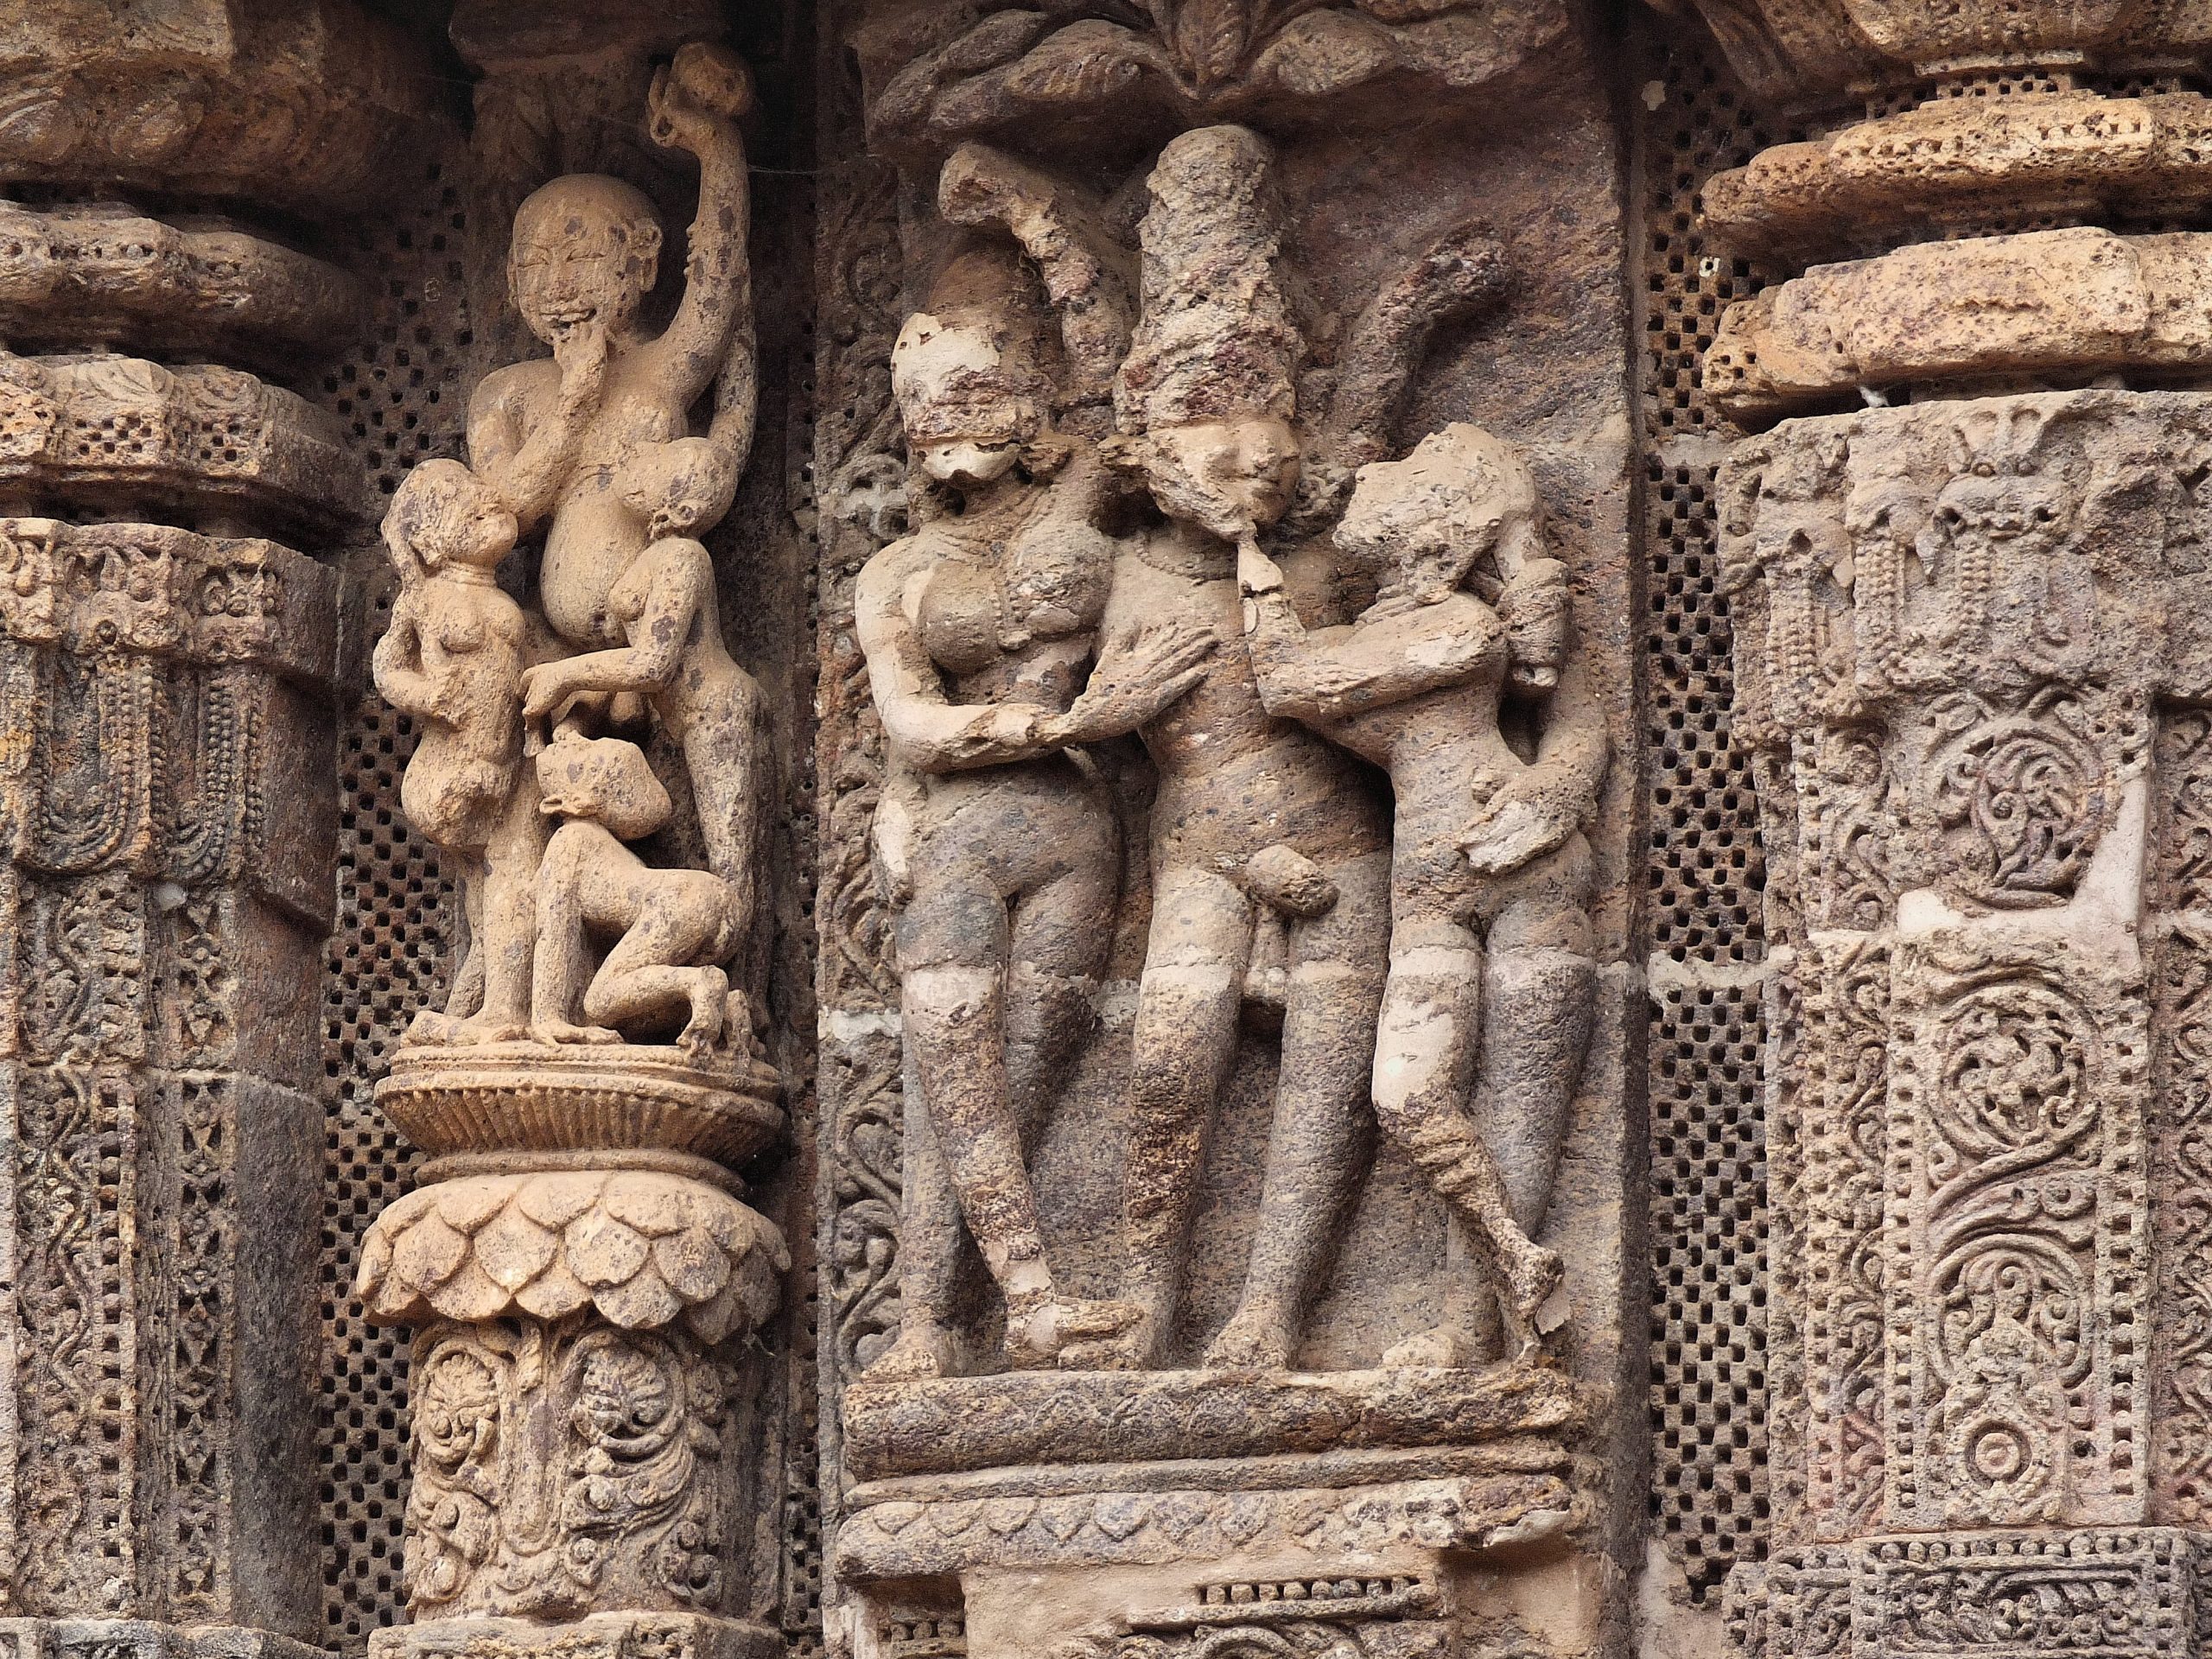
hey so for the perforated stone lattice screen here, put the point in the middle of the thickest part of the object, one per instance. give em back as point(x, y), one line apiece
point(402, 392)
point(1708, 1177)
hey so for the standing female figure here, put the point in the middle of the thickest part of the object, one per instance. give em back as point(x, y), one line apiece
point(999, 849)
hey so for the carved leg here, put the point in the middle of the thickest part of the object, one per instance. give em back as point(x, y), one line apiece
point(724, 751)
point(1317, 1148)
point(505, 939)
point(932, 1240)
point(684, 916)
point(558, 962)
point(953, 942)
point(1186, 1042)
point(1539, 988)
point(1424, 1063)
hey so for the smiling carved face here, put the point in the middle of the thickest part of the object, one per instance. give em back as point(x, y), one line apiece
point(586, 252)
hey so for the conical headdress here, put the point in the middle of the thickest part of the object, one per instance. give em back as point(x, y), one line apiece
point(1215, 340)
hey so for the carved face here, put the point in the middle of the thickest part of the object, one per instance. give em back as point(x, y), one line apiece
point(1229, 477)
point(1423, 522)
point(586, 252)
point(444, 514)
point(970, 462)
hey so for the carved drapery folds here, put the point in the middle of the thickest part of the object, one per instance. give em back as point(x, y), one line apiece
point(169, 639)
point(1969, 640)
point(576, 1259)
point(1201, 1228)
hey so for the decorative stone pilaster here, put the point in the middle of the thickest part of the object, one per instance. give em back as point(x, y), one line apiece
point(581, 1400)
point(167, 643)
point(1970, 639)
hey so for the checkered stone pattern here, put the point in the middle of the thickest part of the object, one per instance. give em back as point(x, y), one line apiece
point(1706, 922)
point(403, 392)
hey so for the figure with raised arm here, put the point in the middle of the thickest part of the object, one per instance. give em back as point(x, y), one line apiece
point(1491, 974)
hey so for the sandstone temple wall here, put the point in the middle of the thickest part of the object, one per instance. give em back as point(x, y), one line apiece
point(1121, 829)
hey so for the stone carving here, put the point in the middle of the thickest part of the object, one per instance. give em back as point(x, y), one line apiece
point(86, 272)
point(1198, 59)
point(107, 426)
point(998, 608)
point(1137, 688)
point(592, 444)
point(1488, 856)
point(581, 1267)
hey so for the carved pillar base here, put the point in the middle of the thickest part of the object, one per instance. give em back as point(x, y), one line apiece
point(581, 1405)
point(1094, 1514)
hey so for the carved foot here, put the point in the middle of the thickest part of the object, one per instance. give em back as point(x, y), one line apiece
point(430, 1029)
point(1134, 1347)
point(1443, 1346)
point(922, 1348)
point(1532, 1276)
point(1059, 1331)
point(1251, 1341)
point(560, 1031)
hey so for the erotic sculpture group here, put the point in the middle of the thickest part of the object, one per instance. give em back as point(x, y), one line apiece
point(1085, 568)
point(529, 772)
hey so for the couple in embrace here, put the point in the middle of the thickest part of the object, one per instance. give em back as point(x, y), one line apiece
point(1428, 963)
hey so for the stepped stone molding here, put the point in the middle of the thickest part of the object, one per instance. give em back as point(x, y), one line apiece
point(107, 426)
point(309, 108)
point(2074, 302)
point(99, 273)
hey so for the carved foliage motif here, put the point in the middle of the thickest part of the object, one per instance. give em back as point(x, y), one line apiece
point(1952, 631)
point(2182, 1413)
point(1841, 1201)
point(2110, 1594)
point(2016, 1197)
point(556, 1472)
point(1201, 59)
point(75, 1178)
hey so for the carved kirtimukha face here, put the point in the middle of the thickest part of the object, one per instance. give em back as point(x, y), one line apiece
point(586, 252)
point(1229, 477)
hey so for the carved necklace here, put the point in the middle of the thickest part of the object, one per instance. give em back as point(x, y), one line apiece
point(1216, 562)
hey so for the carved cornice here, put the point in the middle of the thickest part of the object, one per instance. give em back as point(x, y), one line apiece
point(313, 107)
point(2071, 301)
point(154, 588)
point(1811, 54)
point(1199, 60)
point(102, 274)
point(1967, 164)
point(98, 426)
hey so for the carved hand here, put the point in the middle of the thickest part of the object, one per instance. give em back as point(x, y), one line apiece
point(697, 96)
point(1515, 828)
point(1130, 687)
point(544, 688)
point(1255, 572)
